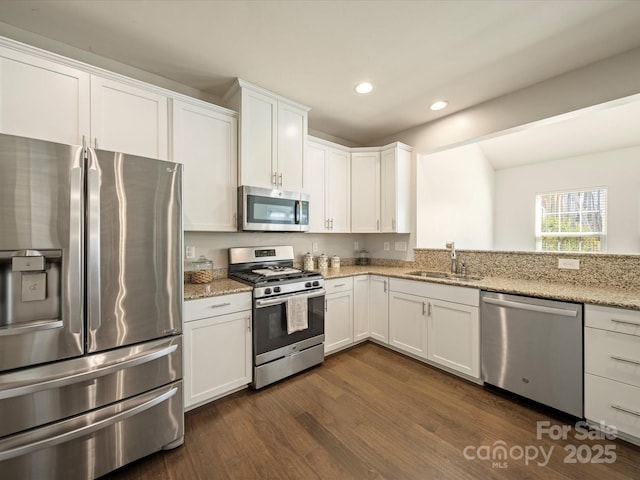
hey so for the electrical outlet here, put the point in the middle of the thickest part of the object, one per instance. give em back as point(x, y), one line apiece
point(356, 246)
point(314, 247)
point(569, 263)
point(386, 246)
point(190, 252)
point(400, 246)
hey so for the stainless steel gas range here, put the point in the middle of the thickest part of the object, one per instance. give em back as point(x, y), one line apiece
point(288, 311)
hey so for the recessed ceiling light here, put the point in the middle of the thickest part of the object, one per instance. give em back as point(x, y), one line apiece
point(364, 87)
point(439, 105)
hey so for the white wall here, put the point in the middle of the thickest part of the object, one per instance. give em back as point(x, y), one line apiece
point(454, 199)
point(516, 188)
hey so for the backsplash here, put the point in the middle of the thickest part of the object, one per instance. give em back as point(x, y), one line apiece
point(596, 270)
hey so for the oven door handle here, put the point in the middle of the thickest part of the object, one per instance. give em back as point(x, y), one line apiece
point(284, 298)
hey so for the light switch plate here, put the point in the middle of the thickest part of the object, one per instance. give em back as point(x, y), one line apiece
point(314, 246)
point(190, 252)
point(356, 246)
point(569, 263)
point(386, 246)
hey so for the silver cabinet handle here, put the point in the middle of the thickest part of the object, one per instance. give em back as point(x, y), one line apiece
point(248, 319)
point(326, 305)
point(625, 322)
point(385, 286)
point(332, 224)
point(280, 179)
point(393, 224)
point(235, 220)
point(625, 410)
point(95, 142)
point(429, 311)
point(626, 360)
point(218, 305)
point(274, 181)
point(339, 285)
point(424, 308)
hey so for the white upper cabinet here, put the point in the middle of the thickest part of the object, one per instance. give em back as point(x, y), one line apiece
point(327, 176)
point(273, 132)
point(396, 189)
point(365, 192)
point(43, 99)
point(129, 119)
point(204, 139)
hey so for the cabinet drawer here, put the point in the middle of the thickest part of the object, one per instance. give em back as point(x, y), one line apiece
point(612, 355)
point(448, 293)
point(613, 319)
point(615, 403)
point(214, 306)
point(338, 285)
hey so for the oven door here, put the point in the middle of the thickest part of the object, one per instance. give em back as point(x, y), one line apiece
point(270, 338)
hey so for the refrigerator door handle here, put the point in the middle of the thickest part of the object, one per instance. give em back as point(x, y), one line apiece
point(75, 275)
point(86, 427)
point(93, 242)
point(69, 378)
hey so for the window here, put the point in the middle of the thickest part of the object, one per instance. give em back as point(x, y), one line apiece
point(574, 221)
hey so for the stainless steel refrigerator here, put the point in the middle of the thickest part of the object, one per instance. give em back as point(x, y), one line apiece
point(90, 309)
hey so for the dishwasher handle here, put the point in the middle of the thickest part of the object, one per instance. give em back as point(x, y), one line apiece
point(528, 306)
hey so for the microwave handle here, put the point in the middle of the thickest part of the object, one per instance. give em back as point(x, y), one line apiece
point(297, 213)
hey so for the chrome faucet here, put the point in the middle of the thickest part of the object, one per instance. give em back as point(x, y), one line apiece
point(454, 262)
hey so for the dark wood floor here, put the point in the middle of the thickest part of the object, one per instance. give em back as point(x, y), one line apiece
point(371, 413)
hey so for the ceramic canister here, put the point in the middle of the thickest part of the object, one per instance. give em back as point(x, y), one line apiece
point(323, 261)
point(308, 261)
point(335, 261)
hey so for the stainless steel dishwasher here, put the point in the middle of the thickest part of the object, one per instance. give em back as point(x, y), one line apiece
point(533, 347)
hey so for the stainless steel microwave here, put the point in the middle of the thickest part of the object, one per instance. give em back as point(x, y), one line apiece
point(266, 210)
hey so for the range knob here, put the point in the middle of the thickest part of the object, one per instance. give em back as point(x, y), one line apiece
point(316, 283)
point(267, 291)
point(276, 289)
point(307, 285)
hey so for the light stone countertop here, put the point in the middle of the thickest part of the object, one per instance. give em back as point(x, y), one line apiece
point(612, 297)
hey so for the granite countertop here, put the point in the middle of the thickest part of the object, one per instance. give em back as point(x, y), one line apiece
point(223, 286)
point(612, 297)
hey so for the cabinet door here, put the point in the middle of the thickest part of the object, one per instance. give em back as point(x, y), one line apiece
point(217, 356)
point(407, 323)
point(128, 119)
point(361, 312)
point(338, 191)
point(338, 321)
point(365, 192)
point(292, 134)
point(396, 190)
point(205, 141)
point(379, 308)
point(41, 99)
point(258, 119)
point(314, 182)
point(453, 334)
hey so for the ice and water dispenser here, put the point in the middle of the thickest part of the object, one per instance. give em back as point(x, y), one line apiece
point(29, 287)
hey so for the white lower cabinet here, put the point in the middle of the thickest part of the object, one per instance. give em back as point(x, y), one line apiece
point(379, 308)
point(217, 347)
point(440, 323)
point(361, 308)
point(453, 336)
point(338, 322)
point(407, 323)
point(612, 369)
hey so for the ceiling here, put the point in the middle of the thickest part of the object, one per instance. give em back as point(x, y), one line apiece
point(314, 52)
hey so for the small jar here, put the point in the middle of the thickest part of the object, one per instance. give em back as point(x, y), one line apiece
point(335, 261)
point(200, 270)
point(323, 261)
point(308, 261)
point(363, 258)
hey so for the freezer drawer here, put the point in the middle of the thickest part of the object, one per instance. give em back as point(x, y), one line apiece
point(48, 393)
point(98, 442)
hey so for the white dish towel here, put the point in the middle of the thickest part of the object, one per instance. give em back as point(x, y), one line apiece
point(297, 314)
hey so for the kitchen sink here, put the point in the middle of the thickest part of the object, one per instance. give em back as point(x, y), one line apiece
point(450, 276)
